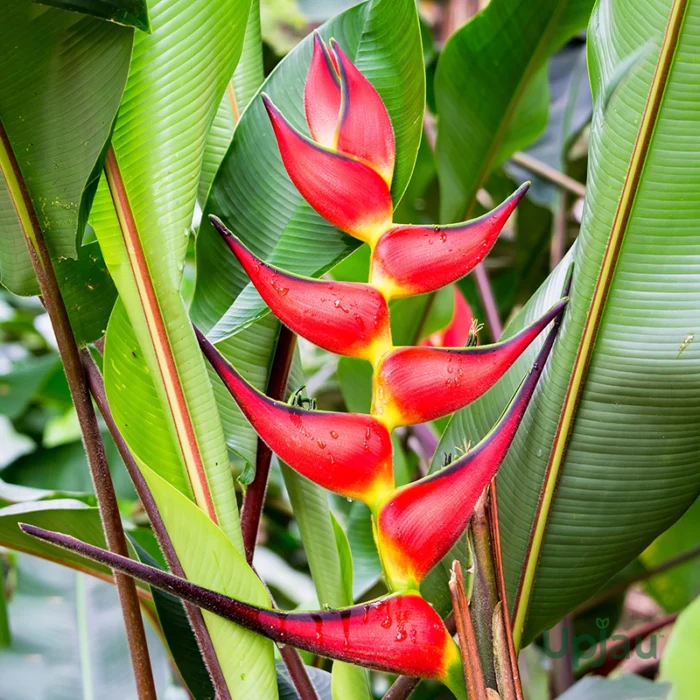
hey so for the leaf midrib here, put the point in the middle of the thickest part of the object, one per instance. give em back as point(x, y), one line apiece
point(595, 312)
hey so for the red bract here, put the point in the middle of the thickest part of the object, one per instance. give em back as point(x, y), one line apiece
point(365, 128)
point(348, 453)
point(411, 260)
point(418, 384)
point(342, 317)
point(421, 522)
point(456, 333)
point(322, 96)
point(343, 189)
point(397, 634)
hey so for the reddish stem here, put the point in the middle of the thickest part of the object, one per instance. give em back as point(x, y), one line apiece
point(255, 494)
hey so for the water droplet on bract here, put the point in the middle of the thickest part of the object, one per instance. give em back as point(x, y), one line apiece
point(334, 435)
point(414, 636)
point(321, 444)
point(401, 635)
point(443, 236)
point(386, 622)
point(449, 370)
point(368, 433)
point(359, 321)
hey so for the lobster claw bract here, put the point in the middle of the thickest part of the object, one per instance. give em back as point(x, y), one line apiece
point(410, 259)
point(346, 318)
point(411, 636)
point(346, 191)
point(348, 453)
point(365, 128)
point(322, 95)
point(418, 525)
point(418, 384)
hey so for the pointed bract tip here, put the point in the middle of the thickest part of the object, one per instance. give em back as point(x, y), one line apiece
point(220, 226)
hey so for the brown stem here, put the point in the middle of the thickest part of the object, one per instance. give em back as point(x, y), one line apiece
point(497, 554)
point(402, 688)
point(92, 439)
point(473, 673)
point(194, 614)
point(609, 655)
point(485, 594)
point(621, 587)
point(298, 674)
point(556, 252)
point(562, 669)
point(547, 172)
point(255, 494)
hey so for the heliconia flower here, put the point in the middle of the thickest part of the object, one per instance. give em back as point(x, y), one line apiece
point(346, 318)
point(411, 636)
point(365, 128)
point(418, 384)
point(345, 190)
point(458, 331)
point(413, 259)
point(348, 453)
point(420, 522)
point(322, 95)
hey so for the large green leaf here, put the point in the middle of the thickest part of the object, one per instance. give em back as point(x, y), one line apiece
point(247, 78)
point(679, 661)
point(675, 588)
point(54, 64)
point(68, 639)
point(252, 192)
point(491, 90)
point(630, 465)
point(178, 75)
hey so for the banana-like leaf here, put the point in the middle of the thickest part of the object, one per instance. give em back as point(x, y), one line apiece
point(606, 459)
point(491, 90)
point(178, 75)
point(132, 13)
point(54, 63)
point(247, 78)
point(252, 193)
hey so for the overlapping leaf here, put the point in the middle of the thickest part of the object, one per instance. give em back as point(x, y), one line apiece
point(630, 466)
point(491, 90)
point(55, 62)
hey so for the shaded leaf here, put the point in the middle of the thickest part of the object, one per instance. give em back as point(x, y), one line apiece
point(132, 13)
